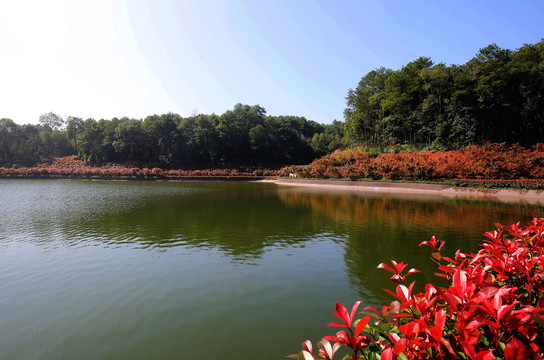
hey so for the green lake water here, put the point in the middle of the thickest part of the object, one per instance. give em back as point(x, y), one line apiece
point(205, 270)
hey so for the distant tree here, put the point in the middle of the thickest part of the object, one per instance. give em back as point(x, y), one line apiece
point(73, 129)
point(528, 67)
point(496, 96)
point(495, 91)
point(51, 121)
point(233, 131)
point(261, 141)
point(436, 85)
point(244, 135)
point(162, 134)
point(29, 144)
point(90, 143)
point(130, 141)
point(8, 135)
point(365, 108)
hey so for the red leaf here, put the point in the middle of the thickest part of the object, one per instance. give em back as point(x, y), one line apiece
point(485, 355)
point(342, 337)
point(460, 281)
point(386, 267)
point(440, 319)
point(335, 324)
point(403, 294)
point(516, 350)
point(436, 333)
point(353, 311)
point(387, 354)
point(342, 313)
point(361, 325)
point(398, 266)
point(447, 345)
point(307, 345)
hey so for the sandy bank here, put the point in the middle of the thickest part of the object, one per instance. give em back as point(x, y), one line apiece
point(447, 191)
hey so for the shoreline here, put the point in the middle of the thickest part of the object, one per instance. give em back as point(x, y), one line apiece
point(414, 189)
point(410, 189)
point(135, 178)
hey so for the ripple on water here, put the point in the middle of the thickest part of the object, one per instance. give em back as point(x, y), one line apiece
point(158, 270)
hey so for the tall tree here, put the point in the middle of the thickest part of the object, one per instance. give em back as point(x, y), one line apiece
point(51, 121)
point(365, 108)
point(162, 134)
point(73, 129)
point(8, 135)
point(130, 141)
point(495, 92)
point(528, 64)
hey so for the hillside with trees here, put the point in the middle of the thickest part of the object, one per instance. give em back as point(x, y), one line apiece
point(497, 96)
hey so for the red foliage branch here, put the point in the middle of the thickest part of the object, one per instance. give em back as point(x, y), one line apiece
point(493, 307)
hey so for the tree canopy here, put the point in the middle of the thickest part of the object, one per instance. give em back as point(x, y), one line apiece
point(242, 136)
point(497, 96)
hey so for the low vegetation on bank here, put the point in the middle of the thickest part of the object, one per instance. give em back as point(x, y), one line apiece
point(70, 166)
point(490, 165)
point(496, 166)
point(492, 307)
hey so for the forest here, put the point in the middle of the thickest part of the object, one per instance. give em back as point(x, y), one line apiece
point(243, 136)
point(497, 97)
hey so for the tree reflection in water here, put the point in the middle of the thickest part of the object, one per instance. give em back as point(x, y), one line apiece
point(382, 227)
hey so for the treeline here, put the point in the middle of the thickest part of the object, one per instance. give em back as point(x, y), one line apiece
point(243, 136)
point(497, 96)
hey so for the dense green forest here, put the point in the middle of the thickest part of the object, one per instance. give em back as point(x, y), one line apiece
point(497, 96)
point(244, 136)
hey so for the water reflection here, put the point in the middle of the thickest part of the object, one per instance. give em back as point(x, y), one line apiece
point(242, 220)
point(164, 270)
point(381, 227)
point(239, 219)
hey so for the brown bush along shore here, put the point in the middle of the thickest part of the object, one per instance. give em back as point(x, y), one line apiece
point(490, 165)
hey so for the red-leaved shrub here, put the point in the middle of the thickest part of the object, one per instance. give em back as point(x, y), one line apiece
point(70, 166)
point(492, 309)
point(490, 161)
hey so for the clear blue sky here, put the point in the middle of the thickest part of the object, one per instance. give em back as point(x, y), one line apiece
point(107, 58)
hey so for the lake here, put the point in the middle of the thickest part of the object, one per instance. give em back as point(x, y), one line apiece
point(205, 270)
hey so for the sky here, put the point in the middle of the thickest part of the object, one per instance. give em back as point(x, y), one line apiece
point(134, 58)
